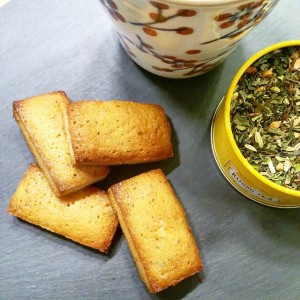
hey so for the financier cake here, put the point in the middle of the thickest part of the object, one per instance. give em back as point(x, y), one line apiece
point(155, 226)
point(85, 216)
point(118, 132)
point(41, 120)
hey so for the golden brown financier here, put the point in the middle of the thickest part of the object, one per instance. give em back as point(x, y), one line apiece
point(85, 216)
point(155, 226)
point(122, 132)
point(41, 120)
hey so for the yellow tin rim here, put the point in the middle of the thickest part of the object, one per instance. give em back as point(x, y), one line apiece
point(228, 97)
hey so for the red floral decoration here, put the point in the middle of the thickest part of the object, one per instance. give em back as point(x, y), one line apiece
point(244, 18)
point(157, 17)
point(191, 66)
point(241, 17)
point(112, 8)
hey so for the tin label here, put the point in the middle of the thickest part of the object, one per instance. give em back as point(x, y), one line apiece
point(241, 183)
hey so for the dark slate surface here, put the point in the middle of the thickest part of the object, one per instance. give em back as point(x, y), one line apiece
point(249, 251)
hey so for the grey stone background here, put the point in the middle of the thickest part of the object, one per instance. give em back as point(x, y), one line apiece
point(249, 251)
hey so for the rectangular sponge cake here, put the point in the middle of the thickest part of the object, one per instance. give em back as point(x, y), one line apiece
point(155, 226)
point(41, 120)
point(85, 216)
point(123, 132)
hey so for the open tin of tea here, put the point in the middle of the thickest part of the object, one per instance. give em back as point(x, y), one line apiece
point(243, 175)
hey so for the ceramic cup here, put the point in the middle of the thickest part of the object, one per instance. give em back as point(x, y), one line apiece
point(183, 38)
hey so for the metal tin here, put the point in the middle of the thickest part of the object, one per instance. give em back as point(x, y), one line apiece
point(230, 160)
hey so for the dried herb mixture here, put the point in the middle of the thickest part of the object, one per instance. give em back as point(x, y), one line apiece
point(265, 116)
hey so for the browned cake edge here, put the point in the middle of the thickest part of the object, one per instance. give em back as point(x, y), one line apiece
point(103, 247)
point(80, 160)
point(130, 240)
point(68, 136)
point(57, 186)
point(33, 148)
point(152, 286)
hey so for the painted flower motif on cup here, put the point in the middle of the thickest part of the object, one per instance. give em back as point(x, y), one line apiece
point(160, 16)
point(178, 40)
point(191, 67)
point(242, 19)
point(112, 8)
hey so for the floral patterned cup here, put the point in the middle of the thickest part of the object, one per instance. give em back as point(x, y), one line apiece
point(183, 38)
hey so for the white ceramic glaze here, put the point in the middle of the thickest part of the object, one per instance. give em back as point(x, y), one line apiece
point(183, 38)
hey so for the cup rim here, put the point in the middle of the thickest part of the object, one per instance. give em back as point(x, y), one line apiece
point(228, 97)
point(204, 3)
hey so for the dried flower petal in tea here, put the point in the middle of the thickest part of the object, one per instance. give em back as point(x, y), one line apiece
point(265, 116)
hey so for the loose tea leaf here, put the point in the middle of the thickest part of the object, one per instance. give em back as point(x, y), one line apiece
point(265, 116)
